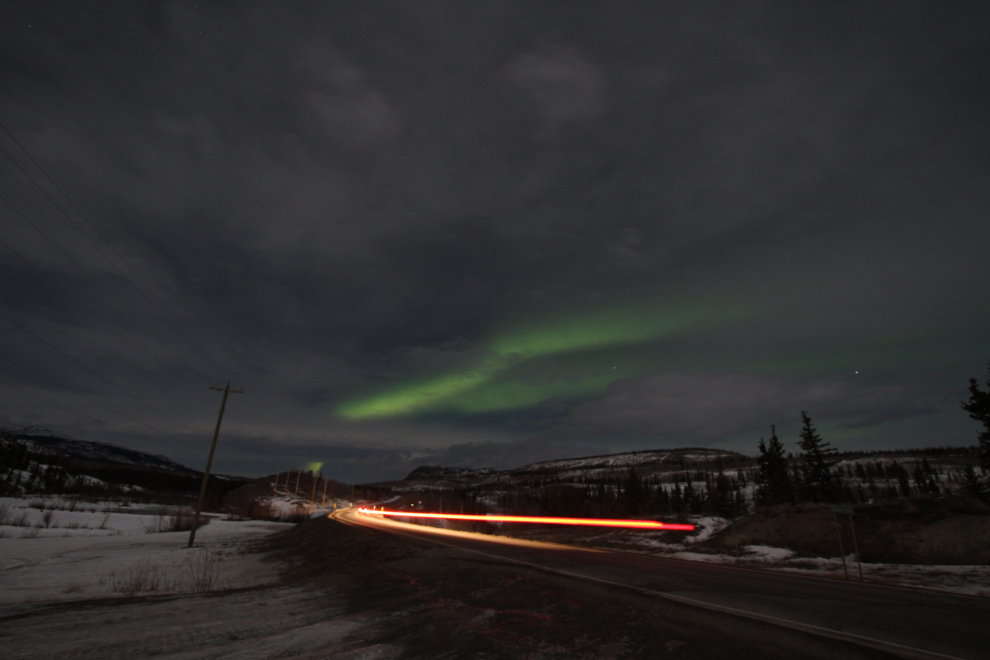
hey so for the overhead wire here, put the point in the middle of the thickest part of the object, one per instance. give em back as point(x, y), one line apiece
point(196, 346)
point(84, 271)
point(89, 275)
point(98, 375)
point(103, 254)
point(80, 302)
point(82, 396)
point(91, 242)
point(53, 401)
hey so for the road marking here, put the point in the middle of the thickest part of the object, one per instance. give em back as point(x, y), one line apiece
point(902, 650)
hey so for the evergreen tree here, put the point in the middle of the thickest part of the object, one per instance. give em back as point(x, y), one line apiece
point(818, 484)
point(719, 497)
point(634, 492)
point(677, 499)
point(773, 482)
point(972, 484)
point(978, 408)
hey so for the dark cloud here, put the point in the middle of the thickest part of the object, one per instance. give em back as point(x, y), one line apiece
point(331, 201)
point(703, 409)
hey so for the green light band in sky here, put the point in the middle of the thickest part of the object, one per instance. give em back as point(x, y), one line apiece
point(490, 387)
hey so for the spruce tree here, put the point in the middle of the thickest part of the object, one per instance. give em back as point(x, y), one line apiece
point(818, 484)
point(972, 484)
point(978, 408)
point(773, 480)
point(633, 492)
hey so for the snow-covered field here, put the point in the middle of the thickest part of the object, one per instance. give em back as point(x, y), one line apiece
point(46, 517)
point(101, 550)
point(102, 553)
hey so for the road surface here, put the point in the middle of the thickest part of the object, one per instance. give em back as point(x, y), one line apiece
point(909, 623)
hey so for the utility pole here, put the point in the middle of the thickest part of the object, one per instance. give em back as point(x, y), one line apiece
point(209, 461)
point(325, 491)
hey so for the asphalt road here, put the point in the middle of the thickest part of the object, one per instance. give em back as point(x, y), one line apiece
point(910, 623)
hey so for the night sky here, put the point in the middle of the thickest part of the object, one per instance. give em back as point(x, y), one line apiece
point(489, 233)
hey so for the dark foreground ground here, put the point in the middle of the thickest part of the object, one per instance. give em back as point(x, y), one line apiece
point(351, 592)
point(446, 603)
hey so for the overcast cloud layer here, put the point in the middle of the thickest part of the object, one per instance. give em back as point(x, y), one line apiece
point(491, 233)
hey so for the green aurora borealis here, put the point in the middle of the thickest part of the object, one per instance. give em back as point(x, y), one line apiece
point(575, 355)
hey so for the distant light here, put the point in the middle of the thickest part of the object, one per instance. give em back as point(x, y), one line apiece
point(597, 522)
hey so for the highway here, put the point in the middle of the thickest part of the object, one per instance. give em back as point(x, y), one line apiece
point(908, 623)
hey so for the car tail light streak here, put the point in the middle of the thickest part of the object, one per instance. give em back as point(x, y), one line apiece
point(545, 520)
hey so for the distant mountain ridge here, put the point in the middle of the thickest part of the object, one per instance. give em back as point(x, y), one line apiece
point(43, 440)
point(628, 459)
point(437, 472)
point(606, 462)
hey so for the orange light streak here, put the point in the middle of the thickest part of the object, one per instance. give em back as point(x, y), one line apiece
point(598, 522)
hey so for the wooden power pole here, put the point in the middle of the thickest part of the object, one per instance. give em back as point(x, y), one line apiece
point(209, 461)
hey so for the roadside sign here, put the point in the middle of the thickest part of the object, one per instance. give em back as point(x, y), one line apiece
point(842, 509)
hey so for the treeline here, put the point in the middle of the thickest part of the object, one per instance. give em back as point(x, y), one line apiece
point(23, 470)
point(632, 495)
point(815, 477)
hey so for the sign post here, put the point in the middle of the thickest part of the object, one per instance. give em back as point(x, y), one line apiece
point(836, 510)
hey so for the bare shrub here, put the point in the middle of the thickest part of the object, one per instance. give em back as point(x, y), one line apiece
point(204, 570)
point(158, 523)
point(4, 513)
point(20, 521)
point(180, 521)
point(31, 533)
point(143, 578)
point(46, 518)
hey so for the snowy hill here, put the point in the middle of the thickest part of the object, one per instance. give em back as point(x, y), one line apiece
point(648, 462)
point(43, 441)
point(652, 458)
point(437, 472)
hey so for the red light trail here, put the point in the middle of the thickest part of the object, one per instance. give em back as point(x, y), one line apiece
point(599, 522)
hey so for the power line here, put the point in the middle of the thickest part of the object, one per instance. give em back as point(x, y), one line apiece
point(83, 396)
point(91, 242)
point(81, 303)
point(57, 403)
point(196, 346)
point(86, 272)
point(91, 277)
point(101, 377)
